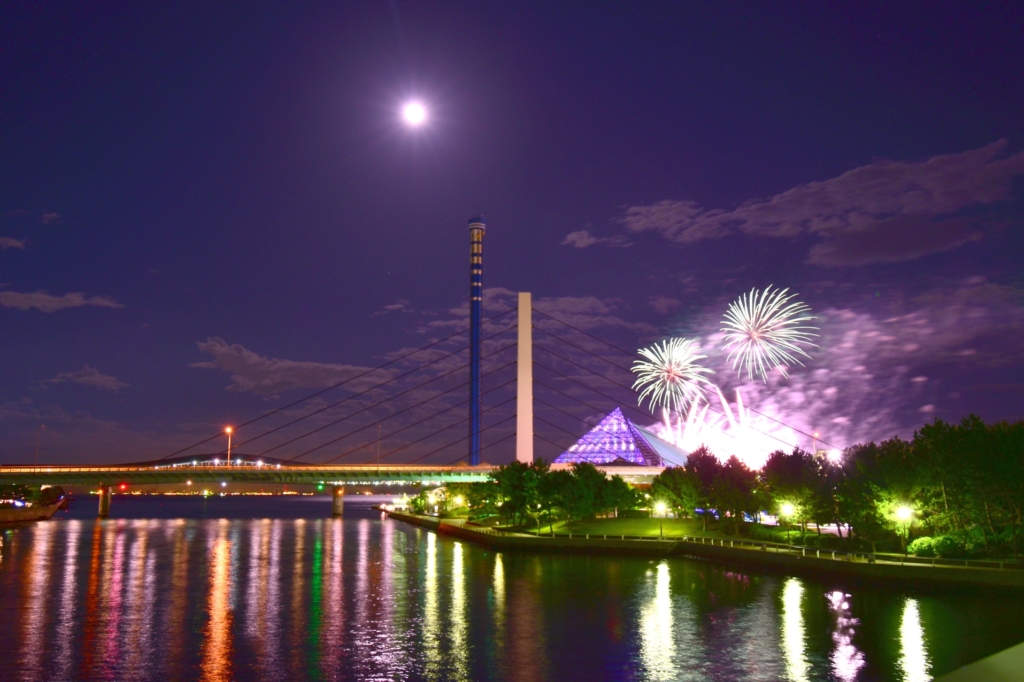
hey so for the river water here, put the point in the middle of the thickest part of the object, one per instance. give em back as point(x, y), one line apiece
point(269, 588)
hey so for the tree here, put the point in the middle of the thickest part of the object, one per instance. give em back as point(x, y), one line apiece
point(679, 488)
point(616, 494)
point(790, 481)
point(581, 499)
point(704, 467)
point(517, 485)
point(733, 491)
point(551, 493)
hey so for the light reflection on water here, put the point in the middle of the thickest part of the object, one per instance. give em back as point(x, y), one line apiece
point(362, 598)
point(793, 635)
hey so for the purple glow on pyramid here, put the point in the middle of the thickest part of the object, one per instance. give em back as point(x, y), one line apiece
point(615, 438)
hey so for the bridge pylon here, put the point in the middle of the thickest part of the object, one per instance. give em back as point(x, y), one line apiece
point(524, 380)
point(338, 500)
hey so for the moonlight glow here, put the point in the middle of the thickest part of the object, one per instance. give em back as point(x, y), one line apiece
point(764, 330)
point(414, 114)
point(670, 375)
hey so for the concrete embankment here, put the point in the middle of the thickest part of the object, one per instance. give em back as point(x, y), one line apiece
point(764, 557)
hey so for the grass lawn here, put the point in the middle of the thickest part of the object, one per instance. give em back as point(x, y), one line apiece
point(649, 527)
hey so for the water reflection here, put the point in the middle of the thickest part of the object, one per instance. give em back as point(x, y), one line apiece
point(37, 578)
point(846, 659)
point(459, 625)
point(431, 624)
point(794, 643)
point(68, 624)
point(657, 647)
point(914, 661)
point(361, 599)
point(217, 644)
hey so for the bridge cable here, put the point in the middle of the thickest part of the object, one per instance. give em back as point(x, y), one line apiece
point(340, 383)
point(431, 435)
point(369, 390)
point(408, 426)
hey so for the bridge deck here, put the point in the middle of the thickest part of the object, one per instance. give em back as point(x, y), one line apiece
point(272, 473)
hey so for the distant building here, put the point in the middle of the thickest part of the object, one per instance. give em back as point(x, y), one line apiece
point(619, 442)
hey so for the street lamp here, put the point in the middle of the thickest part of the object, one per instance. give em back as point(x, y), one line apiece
point(228, 430)
point(905, 514)
point(786, 509)
point(660, 508)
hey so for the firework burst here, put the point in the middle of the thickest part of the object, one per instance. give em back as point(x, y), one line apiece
point(765, 329)
point(669, 374)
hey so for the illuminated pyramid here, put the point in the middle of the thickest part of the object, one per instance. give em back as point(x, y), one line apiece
point(616, 440)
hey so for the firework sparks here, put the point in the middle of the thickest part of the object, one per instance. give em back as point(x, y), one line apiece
point(669, 375)
point(765, 329)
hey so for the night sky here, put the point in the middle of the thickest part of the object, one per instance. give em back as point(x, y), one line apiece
point(210, 210)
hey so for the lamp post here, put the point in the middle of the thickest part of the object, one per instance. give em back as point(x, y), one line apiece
point(228, 430)
point(905, 514)
point(40, 428)
point(787, 509)
point(660, 508)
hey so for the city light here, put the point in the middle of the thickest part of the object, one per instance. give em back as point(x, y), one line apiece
point(835, 455)
point(904, 513)
point(414, 113)
point(787, 509)
point(459, 501)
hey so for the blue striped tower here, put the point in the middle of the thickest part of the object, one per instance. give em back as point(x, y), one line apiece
point(476, 304)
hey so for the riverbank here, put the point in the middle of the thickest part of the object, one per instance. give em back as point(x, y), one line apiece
point(749, 554)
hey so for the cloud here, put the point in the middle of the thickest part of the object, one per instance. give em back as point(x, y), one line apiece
point(90, 376)
point(401, 306)
point(896, 239)
point(884, 212)
point(50, 217)
point(48, 303)
point(11, 243)
point(582, 239)
point(663, 305)
point(259, 374)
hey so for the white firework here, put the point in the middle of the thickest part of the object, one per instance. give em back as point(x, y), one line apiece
point(765, 329)
point(669, 375)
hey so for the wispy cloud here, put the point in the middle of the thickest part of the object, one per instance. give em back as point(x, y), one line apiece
point(400, 306)
point(885, 211)
point(50, 217)
point(12, 243)
point(264, 375)
point(90, 376)
point(48, 303)
point(582, 239)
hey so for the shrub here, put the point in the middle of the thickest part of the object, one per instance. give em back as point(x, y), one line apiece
point(922, 547)
point(947, 547)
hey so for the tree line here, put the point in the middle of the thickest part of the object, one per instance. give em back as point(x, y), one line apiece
point(951, 490)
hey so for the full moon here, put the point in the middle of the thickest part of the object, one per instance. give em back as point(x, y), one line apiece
point(414, 113)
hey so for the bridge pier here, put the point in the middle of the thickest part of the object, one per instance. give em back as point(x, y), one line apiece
point(338, 500)
point(104, 501)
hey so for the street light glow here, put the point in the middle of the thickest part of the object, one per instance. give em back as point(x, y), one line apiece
point(228, 429)
point(904, 513)
point(834, 455)
point(787, 509)
point(660, 507)
point(414, 113)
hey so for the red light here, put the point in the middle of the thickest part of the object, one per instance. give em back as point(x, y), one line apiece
point(123, 486)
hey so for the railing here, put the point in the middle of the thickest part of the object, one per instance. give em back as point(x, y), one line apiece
point(7, 469)
point(799, 550)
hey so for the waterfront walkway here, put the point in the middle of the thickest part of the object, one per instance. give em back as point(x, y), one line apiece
point(751, 553)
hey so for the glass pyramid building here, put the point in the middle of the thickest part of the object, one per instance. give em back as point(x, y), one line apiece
point(616, 440)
